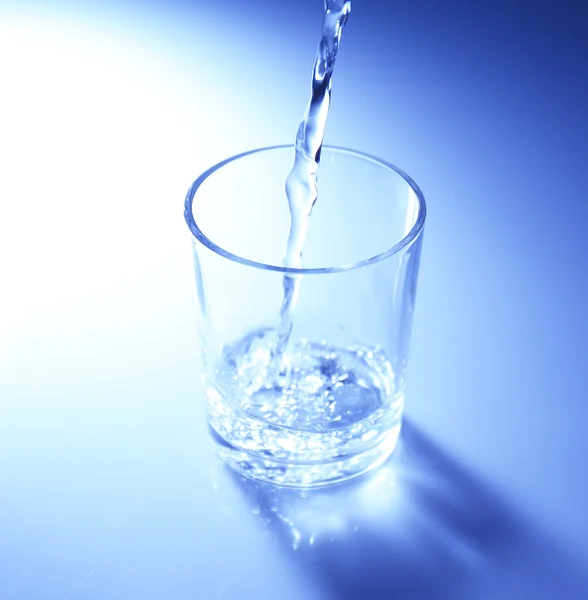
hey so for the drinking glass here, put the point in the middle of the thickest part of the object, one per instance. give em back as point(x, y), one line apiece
point(329, 405)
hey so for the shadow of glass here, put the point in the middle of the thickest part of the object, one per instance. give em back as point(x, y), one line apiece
point(420, 527)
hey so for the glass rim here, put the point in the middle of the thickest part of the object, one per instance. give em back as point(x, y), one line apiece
point(206, 241)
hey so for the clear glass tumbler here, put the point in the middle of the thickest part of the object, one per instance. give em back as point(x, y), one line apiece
point(329, 406)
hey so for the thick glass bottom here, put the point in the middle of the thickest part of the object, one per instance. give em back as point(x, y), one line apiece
point(307, 473)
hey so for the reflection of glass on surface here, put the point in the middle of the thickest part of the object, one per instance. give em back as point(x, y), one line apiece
point(333, 410)
point(313, 516)
point(419, 527)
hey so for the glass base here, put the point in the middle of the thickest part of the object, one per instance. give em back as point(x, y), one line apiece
point(305, 474)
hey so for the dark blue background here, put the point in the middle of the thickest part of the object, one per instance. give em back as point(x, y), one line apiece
point(108, 485)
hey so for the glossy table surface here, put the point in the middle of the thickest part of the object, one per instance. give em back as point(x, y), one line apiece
point(109, 486)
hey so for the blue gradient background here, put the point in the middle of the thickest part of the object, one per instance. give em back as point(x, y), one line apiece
point(108, 485)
